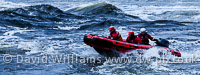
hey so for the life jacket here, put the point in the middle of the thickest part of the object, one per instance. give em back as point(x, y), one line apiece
point(115, 35)
point(145, 38)
point(133, 39)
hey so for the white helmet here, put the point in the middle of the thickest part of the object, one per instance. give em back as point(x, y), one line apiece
point(142, 30)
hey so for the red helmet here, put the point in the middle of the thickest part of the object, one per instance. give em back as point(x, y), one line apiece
point(111, 28)
point(131, 32)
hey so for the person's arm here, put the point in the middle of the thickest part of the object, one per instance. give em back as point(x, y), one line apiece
point(151, 38)
point(118, 35)
point(127, 39)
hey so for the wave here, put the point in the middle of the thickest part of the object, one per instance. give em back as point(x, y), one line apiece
point(189, 15)
point(94, 15)
point(166, 23)
point(48, 16)
point(102, 10)
point(99, 8)
point(43, 10)
point(103, 14)
point(34, 15)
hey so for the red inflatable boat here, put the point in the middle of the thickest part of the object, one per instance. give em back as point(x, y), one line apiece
point(108, 47)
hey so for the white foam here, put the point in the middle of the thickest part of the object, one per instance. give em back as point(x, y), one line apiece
point(49, 50)
point(151, 13)
point(7, 4)
point(158, 67)
point(67, 28)
point(194, 54)
point(35, 47)
point(11, 33)
point(152, 52)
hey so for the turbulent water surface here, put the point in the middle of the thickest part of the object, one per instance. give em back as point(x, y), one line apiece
point(35, 27)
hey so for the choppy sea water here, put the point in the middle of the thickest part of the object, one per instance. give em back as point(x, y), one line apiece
point(56, 27)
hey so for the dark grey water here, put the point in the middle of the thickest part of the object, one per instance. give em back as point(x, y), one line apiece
point(56, 27)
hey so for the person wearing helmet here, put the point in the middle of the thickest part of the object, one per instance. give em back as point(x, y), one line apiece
point(132, 38)
point(115, 35)
point(144, 36)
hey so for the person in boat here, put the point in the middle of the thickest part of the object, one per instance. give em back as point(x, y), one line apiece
point(132, 38)
point(144, 36)
point(115, 35)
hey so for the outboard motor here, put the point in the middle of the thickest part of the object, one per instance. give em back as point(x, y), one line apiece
point(162, 42)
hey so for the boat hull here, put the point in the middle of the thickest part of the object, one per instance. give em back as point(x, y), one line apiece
point(108, 47)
